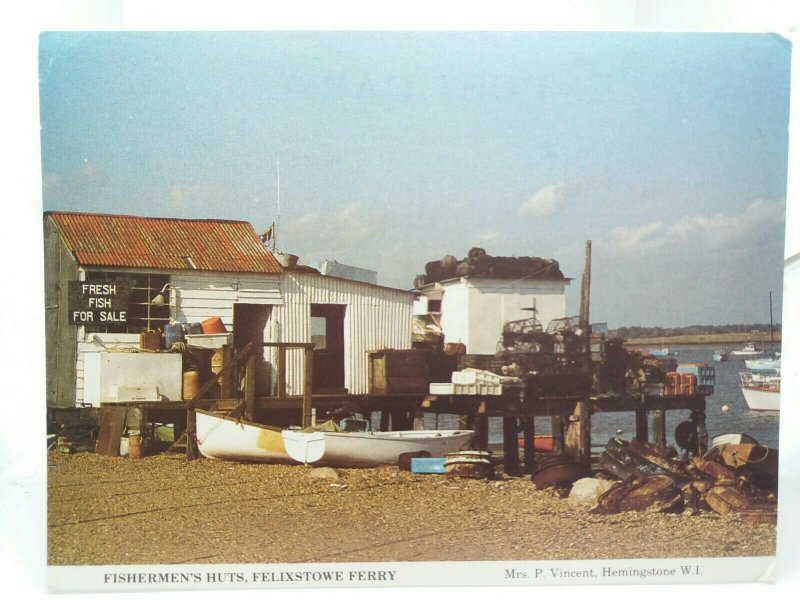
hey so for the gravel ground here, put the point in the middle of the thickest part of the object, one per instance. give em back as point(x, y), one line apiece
point(165, 510)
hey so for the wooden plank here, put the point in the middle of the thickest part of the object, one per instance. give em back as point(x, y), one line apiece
point(112, 424)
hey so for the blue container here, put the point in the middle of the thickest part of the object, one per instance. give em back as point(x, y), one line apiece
point(193, 328)
point(173, 333)
point(427, 466)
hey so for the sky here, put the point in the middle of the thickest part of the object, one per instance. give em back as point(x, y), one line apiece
point(667, 151)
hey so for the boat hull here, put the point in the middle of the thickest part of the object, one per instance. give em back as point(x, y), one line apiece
point(227, 438)
point(761, 399)
point(375, 448)
point(763, 365)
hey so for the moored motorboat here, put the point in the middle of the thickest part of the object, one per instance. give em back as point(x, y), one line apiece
point(761, 391)
point(732, 438)
point(371, 448)
point(720, 356)
point(749, 349)
point(229, 438)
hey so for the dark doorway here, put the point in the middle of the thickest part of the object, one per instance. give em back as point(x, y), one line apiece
point(327, 333)
point(249, 322)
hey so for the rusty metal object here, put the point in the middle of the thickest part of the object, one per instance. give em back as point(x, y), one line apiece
point(759, 464)
point(474, 464)
point(127, 241)
point(653, 494)
point(558, 471)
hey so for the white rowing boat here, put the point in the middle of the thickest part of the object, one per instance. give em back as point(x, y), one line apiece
point(370, 448)
point(229, 438)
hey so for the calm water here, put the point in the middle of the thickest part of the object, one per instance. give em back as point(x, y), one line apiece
point(738, 419)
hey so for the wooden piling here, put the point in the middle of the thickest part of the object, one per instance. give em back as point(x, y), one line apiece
point(511, 447)
point(250, 387)
point(528, 436)
point(308, 385)
point(659, 428)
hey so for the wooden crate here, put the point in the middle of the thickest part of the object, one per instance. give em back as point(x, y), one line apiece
point(399, 371)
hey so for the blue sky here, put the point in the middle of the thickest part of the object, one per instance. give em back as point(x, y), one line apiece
point(668, 151)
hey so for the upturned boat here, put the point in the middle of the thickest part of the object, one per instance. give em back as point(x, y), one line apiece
point(370, 448)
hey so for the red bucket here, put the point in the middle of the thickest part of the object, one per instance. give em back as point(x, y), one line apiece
point(213, 325)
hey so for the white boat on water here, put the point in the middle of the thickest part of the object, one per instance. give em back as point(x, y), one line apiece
point(229, 438)
point(761, 391)
point(370, 448)
point(763, 364)
point(749, 349)
point(720, 356)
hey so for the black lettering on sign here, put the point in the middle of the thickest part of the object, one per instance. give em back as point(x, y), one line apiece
point(98, 302)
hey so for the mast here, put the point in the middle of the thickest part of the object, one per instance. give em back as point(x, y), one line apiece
point(771, 332)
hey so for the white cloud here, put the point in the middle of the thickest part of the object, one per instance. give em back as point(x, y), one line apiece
point(188, 195)
point(715, 232)
point(546, 201)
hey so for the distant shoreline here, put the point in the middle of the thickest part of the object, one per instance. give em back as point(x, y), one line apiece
point(758, 337)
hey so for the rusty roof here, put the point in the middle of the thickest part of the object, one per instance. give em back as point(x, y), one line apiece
point(161, 243)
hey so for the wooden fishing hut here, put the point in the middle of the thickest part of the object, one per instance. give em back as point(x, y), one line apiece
point(118, 286)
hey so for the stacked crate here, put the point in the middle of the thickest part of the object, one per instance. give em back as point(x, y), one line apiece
point(470, 382)
point(704, 375)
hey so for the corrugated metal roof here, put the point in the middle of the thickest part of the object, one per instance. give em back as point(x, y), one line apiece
point(159, 243)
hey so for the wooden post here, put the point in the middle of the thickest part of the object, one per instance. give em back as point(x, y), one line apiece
point(280, 372)
point(557, 427)
point(384, 425)
point(699, 419)
point(482, 431)
point(641, 420)
point(510, 447)
point(250, 387)
point(659, 428)
point(191, 430)
point(585, 434)
point(586, 285)
point(419, 418)
point(307, 386)
point(230, 381)
point(528, 426)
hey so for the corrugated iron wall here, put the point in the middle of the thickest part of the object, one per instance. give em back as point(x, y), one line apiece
point(375, 318)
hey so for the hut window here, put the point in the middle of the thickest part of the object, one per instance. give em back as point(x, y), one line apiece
point(434, 306)
point(142, 314)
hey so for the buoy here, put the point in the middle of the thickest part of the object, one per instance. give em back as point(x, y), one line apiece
point(619, 431)
point(725, 408)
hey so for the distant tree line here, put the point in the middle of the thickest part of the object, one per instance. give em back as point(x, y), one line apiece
point(647, 332)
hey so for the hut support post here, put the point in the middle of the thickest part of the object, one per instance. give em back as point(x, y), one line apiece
point(641, 421)
point(308, 384)
point(557, 427)
point(699, 420)
point(419, 418)
point(659, 428)
point(510, 447)
point(280, 372)
point(529, 451)
point(191, 430)
point(482, 431)
point(250, 387)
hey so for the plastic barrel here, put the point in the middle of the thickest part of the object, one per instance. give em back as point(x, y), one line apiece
point(191, 380)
